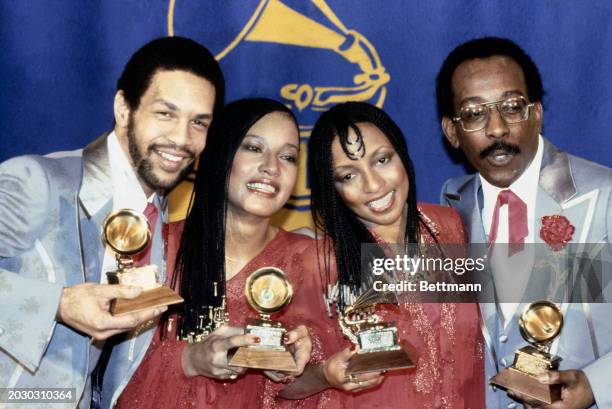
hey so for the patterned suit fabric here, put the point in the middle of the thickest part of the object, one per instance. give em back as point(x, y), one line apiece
point(51, 212)
point(580, 191)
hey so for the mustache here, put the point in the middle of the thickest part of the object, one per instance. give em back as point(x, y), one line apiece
point(502, 146)
point(172, 146)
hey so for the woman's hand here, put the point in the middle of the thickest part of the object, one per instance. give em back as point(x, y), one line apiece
point(299, 343)
point(334, 371)
point(209, 357)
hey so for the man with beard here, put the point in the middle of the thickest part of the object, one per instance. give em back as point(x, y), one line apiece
point(55, 303)
point(489, 95)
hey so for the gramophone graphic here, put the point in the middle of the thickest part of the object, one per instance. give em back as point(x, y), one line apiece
point(275, 22)
point(379, 345)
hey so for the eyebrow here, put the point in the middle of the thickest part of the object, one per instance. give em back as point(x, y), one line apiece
point(175, 108)
point(343, 167)
point(479, 100)
point(168, 104)
point(250, 135)
point(380, 148)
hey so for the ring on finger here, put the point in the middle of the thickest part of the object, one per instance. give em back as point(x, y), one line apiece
point(349, 378)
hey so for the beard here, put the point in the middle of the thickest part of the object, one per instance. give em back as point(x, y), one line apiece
point(144, 166)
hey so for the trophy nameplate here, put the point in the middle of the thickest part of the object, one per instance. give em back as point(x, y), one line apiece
point(127, 233)
point(540, 324)
point(268, 290)
point(378, 341)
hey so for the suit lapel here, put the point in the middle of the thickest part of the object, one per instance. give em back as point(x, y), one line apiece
point(465, 200)
point(558, 195)
point(94, 201)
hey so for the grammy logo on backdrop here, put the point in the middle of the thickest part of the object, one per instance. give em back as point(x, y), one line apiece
point(312, 28)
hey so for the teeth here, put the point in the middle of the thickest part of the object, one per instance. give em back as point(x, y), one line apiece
point(170, 157)
point(382, 202)
point(263, 187)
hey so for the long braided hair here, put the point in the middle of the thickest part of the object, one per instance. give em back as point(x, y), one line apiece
point(342, 229)
point(200, 267)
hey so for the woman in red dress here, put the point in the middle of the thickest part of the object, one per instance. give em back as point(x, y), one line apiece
point(363, 191)
point(247, 173)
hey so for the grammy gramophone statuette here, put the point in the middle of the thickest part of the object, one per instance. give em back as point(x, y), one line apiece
point(378, 341)
point(268, 290)
point(540, 324)
point(127, 233)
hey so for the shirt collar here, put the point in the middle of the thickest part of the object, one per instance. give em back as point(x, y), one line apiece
point(523, 187)
point(127, 192)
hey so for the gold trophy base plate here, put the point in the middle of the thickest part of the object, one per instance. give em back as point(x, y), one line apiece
point(378, 361)
point(514, 380)
point(264, 359)
point(147, 299)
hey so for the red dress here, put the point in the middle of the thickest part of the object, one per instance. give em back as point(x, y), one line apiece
point(445, 339)
point(159, 382)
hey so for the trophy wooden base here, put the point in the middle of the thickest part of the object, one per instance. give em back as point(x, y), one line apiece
point(511, 379)
point(147, 299)
point(260, 358)
point(378, 361)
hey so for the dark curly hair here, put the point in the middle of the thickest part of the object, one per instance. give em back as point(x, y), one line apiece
point(169, 53)
point(483, 48)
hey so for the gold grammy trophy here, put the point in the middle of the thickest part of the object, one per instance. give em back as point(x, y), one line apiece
point(268, 290)
point(127, 233)
point(540, 324)
point(379, 345)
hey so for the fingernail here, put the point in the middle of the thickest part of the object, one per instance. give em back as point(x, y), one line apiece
point(384, 371)
point(256, 340)
point(353, 347)
point(286, 338)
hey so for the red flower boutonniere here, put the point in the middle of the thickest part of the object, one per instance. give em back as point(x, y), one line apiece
point(556, 231)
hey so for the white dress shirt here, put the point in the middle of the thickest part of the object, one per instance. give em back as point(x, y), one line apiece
point(511, 273)
point(127, 192)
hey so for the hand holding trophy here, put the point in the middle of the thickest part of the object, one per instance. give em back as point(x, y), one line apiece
point(268, 290)
point(379, 346)
point(540, 324)
point(127, 233)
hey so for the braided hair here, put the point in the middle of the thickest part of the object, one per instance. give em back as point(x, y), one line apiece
point(344, 231)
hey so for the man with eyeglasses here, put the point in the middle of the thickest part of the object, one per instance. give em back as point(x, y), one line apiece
point(489, 94)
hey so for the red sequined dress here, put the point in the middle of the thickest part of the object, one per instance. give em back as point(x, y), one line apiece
point(445, 339)
point(159, 382)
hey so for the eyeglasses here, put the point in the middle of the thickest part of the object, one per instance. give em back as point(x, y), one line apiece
point(474, 117)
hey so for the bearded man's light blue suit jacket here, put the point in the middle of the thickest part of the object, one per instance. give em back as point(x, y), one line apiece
point(51, 213)
point(581, 191)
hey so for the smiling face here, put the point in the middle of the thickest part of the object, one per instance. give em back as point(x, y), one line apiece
point(500, 152)
point(168, 129)
point(265, 168)
point(374, 186)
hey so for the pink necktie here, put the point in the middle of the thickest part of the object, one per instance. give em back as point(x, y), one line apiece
point(517, 220)
point(144, 257)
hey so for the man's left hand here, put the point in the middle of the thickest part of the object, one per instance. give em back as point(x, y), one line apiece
point(576, 392)
point(298, 341)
